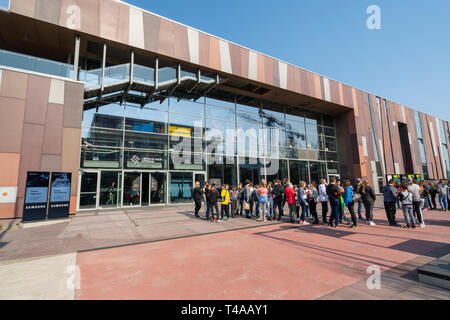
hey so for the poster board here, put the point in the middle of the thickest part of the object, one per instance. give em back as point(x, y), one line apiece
point(59, 207)
point(36, 196)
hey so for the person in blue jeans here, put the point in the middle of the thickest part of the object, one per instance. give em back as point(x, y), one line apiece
point(302, 200)
point(360, 204)
point(442, 190)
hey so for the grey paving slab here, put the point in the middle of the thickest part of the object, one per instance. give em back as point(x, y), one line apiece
point(40, 279)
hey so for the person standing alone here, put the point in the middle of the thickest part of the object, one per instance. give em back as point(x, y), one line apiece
point(197, 195)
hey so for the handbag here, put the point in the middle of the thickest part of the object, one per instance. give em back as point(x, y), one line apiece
point(356, 198)
point(246, 206)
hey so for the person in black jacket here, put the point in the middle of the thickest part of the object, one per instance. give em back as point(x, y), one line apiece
point(206, 198)
point(197, 196)
point(368, 198)
point(278, 194)
point(335, 203)
point(213, 198)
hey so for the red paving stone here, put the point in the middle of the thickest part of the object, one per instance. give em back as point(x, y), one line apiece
point(275, 262)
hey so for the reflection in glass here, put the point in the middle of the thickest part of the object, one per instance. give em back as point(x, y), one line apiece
point(318, 170)
point(88, 191)
point(95, 157)
point(145, 141)
point(158, 188)
point(146, 160)
point(132, 189)
point(110, 189)
point(181, 186)
point(108, 116)
point(187, 107)
point(146, 120)
point(299, 171)
point(101, 137)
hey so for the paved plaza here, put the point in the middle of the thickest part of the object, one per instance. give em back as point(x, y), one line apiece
point(166, 253)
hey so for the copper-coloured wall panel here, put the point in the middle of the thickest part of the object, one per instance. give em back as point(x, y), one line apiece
point(181, 47)
point(11, 124)
point(244, 62)
point(214, 54)
point(166, 38)
point(151, 31)
point(37, 99)
point(109, 17)
point(203, 40)
point(31, 152)
point(236, 59)
point(48, 10)
point(13, 84)
point(24, 7)
point(53, 130)
point(123, 23)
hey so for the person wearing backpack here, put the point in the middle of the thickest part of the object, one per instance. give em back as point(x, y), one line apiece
point(225, 204)
point(262, 201)
point(406, 199)
point(254, 201)
point(234, 198)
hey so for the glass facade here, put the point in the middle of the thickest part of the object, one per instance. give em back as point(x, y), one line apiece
point(423, 156)
point(446, 160)
point(171, 140)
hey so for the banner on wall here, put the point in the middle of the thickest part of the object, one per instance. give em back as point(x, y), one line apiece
point(36, 196)
point(60, 195)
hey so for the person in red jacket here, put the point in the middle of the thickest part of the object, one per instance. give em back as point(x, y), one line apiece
point(292, 202)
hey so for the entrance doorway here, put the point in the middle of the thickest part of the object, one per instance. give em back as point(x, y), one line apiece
point(181, 186)
point(132, 189)
point(144, 188)
point(336, 176)
point(88, 190)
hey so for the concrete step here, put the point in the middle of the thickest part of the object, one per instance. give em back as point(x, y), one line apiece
point(436, 273)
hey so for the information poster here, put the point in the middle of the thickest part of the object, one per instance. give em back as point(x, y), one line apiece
point(36, 195)
point(60, 195)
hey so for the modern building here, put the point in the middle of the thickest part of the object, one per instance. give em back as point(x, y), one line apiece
point(108, 92)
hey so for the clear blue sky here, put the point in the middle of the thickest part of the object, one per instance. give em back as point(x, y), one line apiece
point(408, 61)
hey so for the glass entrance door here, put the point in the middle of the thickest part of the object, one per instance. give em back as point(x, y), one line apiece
point(181, 185)
point(88, 190)
point(110, 185)
point(200, 177)
point(158, 188)
point(132, 189)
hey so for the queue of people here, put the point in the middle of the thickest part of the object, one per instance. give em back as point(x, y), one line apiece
point(267, 201)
